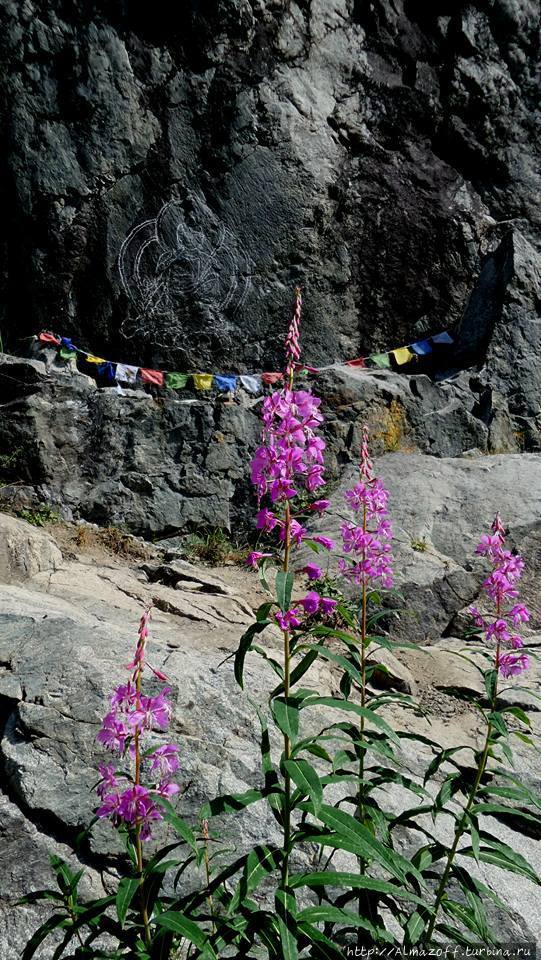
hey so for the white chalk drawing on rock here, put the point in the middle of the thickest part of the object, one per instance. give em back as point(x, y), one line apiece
point(175, 260)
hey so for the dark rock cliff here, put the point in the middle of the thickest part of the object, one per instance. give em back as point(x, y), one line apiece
point(369, 149)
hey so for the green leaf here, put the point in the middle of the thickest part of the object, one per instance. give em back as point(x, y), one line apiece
point(177, 923)
point(245, 643)
point(127, 889)
point(306, 779)
point(500, 854)
point(491, 681)
point(231, 803)
point(297, 672)
point(286, 912)
point(326, 878)
point(57, 921)
point(349, 707)
point(415, 927)
point(332, 914)
point(368, 846)
point(261, 861)
point(284, 587)
point(286, 715)
point(179, 825)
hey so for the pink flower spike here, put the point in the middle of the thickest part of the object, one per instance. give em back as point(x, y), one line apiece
point(324, 542)
point(253, 558)
point(312, 571)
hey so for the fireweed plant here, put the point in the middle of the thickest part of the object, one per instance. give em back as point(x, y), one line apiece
point(329, 791)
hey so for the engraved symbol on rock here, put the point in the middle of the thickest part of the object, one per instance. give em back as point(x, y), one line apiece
point(179, 259)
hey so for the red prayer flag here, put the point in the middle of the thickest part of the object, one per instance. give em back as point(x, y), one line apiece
point(152, 376)
point(271, 378)
point(49, 338)
point(360, 362)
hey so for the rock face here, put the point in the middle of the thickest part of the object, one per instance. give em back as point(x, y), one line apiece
point(64, 637)
point(383, 153)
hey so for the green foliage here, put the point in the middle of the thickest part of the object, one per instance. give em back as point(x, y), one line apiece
point(214, 547)
point(40, 516)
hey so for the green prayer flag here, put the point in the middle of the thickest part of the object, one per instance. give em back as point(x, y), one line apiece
point(67, 354)
point(176, 381)
point(380, 360)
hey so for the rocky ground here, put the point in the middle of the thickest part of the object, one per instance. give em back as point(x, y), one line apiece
point(69, 607)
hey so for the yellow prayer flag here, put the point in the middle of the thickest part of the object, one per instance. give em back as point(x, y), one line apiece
point(402, 355)
point(90, 359)
point(202, 381)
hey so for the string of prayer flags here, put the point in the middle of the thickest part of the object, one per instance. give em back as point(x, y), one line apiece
point(151, 376)
point(380, 360)
point(422, 347)
point(127, 373)
point(202, 381)
point(442, 338)
point(251, 382)
point(225, 382)
point(402, 355)
point(176, 381)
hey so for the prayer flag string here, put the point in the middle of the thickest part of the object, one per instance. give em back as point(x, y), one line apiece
point(131, 375)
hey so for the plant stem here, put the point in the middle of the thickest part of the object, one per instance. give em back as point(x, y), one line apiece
point(461, 827)
point(138, 844)
point(287, 742)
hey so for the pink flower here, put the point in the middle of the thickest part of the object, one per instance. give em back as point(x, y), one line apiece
point(327, 605)
point(136, 806)
point(266, 520)
point(319, 506)
point(164, 760)
point(253, 558)
point(498, 631)
point(113, 734)
point(312, 571)
point(110, 807)
point(152, 712)
point(108, 781)
point(297, 532)
point(510, 665)
point(124, 697)
point(288, 620)
point(478, 618)
point(519, 614)
point(488, 544)
point(324, 542)
point(167, 790)
point(311, 602)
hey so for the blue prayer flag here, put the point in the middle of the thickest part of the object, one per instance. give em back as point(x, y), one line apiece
point(442, 338)
point(223, 382)
point(422, 347)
